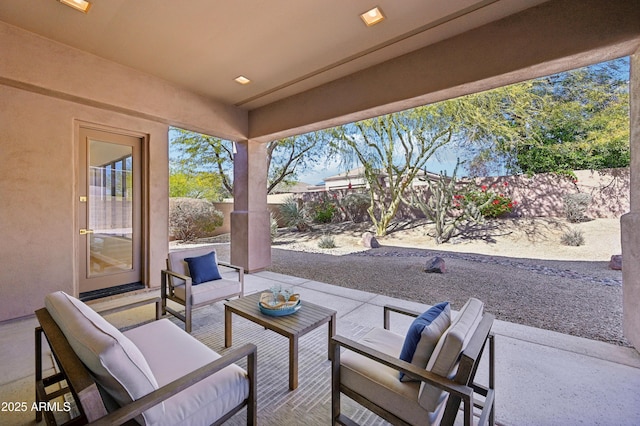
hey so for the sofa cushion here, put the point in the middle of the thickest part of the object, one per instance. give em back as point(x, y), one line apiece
point(446, 355)
point(204, 402)
point(203, 268)
point(423, 335)
point(117, 365)
point(379, 383)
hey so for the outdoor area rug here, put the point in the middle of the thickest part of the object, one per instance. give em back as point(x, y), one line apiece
point(310, 403)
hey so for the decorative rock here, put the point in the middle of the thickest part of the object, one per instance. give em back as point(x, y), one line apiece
point(435, 265)
point(369, 241)
point(616, 262)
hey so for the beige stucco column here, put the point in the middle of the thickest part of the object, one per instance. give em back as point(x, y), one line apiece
point(630, 222)
point(250, 235)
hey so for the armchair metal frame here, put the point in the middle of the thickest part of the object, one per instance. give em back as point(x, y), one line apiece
point(461, 388)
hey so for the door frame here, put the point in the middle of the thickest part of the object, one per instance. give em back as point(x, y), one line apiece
point(79, 247)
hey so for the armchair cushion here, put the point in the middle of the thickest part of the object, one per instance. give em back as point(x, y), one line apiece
point(212, 290)
point(202, 403)
point(423, 336)
point(379, 383)
point(203, 268)
point(446, 355)
point(116, 363)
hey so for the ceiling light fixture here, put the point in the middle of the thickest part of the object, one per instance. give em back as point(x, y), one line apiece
point(372, 17)
point(242, 80)
point(81, 5)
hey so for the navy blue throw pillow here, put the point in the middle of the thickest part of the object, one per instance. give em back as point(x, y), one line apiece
point(203, 268)
point(423, 335)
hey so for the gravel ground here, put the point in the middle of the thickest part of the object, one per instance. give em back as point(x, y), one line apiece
point(518, 268)
point(578, 298)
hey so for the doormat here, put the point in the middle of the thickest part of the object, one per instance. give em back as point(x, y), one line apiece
point(111, 291)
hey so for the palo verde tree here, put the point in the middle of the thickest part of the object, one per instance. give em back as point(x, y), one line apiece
point(286, 157)
point(574, 120)
point(584, 123)
point(392, 150)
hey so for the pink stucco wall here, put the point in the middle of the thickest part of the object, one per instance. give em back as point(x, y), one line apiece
point(537, 196)
point(542, 194)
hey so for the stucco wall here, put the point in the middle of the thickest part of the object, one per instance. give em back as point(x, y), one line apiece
point(46, 88)
point(542, 195)
point(38, 220)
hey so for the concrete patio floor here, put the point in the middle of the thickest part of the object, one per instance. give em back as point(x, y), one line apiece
point(542, 377)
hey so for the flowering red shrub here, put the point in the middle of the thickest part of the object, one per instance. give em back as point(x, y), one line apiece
point(491, 204)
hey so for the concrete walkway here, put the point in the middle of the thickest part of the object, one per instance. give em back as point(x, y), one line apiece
point(542, 377)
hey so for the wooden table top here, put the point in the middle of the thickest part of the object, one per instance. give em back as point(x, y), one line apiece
point(307, 318)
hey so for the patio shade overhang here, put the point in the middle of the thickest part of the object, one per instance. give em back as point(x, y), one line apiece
point(323, 63)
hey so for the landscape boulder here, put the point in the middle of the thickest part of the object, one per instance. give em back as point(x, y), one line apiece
point(369, 241)
point(616, 262)
point(435, 265)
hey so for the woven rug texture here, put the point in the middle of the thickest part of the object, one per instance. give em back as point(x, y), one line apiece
point(310, 403)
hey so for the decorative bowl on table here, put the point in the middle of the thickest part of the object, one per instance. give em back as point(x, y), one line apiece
point(278, 305)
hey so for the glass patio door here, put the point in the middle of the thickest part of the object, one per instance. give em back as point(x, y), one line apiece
point(110, 210)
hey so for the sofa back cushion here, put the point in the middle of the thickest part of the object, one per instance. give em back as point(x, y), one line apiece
point(445, 357)
point(117, 365)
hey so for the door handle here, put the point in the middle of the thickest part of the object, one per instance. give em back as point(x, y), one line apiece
point(86, 231)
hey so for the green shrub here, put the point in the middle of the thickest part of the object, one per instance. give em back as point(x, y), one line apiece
point(323, 210)
point(327, 242)
point(191, 218)
point(573, 237)
point(575, 206)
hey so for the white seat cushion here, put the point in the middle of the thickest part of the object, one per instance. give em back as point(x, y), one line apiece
point(211, 290)
point(171, 353)
point(446, 355)
point(116, 363)
point(380, 384)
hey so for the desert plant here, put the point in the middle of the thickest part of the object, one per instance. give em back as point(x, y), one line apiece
point(323, 210)
point(573, 237)
point(447, 206)
point(355, 205)
point(295, 214)
point(327, 242)
point(190, 218)
point(575, 206)
point(494, 204)
point(273, 225)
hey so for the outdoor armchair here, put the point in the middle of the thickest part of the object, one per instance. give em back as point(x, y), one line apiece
point(212, 282)
point(368, 371)
point(153, 374)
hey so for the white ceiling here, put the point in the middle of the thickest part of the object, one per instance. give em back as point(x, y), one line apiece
point(283, 46)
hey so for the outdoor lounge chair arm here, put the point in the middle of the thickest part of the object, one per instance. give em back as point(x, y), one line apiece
point(390, 308)
point(464, 392)
point(129, 412)
point(176, 275)
point(240, 270)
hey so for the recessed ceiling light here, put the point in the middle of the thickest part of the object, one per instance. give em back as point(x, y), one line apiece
point(372, 17)
point(242, 80)
point(81, 5)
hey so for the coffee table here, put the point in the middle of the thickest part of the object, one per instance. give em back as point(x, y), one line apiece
point(309, 317)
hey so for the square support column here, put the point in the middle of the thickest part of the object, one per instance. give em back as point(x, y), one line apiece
point(630, 222)
point(250, 231)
